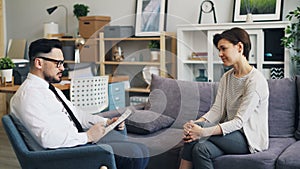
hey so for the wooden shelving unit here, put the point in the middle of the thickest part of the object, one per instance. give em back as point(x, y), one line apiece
point(199, 38)
point(164, 38)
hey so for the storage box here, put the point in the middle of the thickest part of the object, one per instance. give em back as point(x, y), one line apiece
point(90, 26)
point(118, 31)
point(89, 52)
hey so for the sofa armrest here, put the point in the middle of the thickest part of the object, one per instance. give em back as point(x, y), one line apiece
point(88, 157)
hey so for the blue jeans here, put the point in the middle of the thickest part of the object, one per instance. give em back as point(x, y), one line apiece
point(201, 152)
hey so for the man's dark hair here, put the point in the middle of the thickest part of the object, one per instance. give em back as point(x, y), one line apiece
point(42, 46)
point(234, 36)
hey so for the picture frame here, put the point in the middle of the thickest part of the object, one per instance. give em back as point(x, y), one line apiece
point(150, 17)
point(268, 10)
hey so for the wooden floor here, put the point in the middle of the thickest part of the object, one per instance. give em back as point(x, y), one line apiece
point(8, 159)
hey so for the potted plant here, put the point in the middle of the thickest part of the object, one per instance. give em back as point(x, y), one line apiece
point(6, 69)
point(80, 10)
point(292, 38)
point(154, 47)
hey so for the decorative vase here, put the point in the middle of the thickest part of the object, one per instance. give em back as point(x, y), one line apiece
point(6, 74)
point(249, 17)
point(201, 77)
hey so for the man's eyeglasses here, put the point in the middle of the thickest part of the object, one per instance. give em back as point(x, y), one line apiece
point(59, 63)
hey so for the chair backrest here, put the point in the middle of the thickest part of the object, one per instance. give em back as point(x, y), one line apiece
point(90, 94)
point(93, 155)
point(82, 70)
point(15, 138)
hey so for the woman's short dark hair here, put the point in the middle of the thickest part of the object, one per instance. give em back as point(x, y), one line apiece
point(42, 46)
point(234, 36)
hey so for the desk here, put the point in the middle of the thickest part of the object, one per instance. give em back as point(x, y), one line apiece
point(66, 86)
point(14, 88)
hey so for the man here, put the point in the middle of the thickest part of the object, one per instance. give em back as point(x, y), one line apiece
point(51, 118)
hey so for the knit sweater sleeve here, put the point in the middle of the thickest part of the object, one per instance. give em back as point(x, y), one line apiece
point(216, 112)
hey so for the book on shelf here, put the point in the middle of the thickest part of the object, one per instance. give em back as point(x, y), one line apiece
point(202, 56)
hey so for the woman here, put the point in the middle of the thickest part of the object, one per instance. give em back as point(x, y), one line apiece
point(237, 123)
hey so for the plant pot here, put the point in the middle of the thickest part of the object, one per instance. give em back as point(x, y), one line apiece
point(6, 74)
point(155, 55)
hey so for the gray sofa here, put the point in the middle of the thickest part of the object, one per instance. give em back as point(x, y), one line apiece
point(158, 124)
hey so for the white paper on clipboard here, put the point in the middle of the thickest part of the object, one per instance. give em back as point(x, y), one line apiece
point(124, 116)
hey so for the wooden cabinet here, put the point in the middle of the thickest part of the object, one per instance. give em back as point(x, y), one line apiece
point(136, 55)
point(267, 54)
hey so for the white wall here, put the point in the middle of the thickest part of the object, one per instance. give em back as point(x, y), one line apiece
point(25, 18)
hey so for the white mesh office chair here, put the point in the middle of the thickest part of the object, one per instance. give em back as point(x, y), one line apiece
point(90, 94)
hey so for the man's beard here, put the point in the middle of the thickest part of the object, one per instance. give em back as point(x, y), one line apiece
point(51, 79)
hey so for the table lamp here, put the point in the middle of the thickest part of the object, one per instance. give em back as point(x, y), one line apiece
point(52, 9)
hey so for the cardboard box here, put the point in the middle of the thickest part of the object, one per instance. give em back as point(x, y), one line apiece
point(118, 31)
point(89, 52)
point(90, 26)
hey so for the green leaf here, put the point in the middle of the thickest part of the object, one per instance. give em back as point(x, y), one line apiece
point(6, 63)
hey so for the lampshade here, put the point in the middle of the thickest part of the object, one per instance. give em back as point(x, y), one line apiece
point(51, 10)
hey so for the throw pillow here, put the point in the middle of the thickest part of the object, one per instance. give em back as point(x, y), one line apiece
point(181, 100)
point(146, 122)
point(282, 107)
point(158, 101)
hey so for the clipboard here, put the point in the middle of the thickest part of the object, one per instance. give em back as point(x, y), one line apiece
point(124, 116)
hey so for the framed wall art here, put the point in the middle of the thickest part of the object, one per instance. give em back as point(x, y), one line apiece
point(267, 10)
point(150, 17)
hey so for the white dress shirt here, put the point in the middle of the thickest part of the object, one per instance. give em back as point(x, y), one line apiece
point(45, 117)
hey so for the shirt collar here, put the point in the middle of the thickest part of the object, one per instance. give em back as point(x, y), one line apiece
point(38, 80)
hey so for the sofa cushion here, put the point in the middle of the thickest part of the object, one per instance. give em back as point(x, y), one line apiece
point(282, 107)
point(289, 159)
point(31, 143)
point(146, 122)
point(160, 142)
point(260, 160)
point(181, 100)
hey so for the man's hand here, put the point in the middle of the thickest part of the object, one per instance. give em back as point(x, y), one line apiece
point(95, 133)
point(121, 126)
